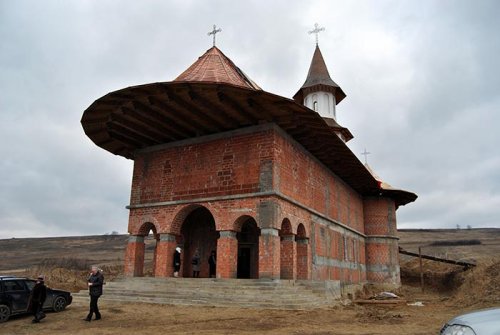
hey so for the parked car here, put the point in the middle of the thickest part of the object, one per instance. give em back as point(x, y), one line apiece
point(480, 322)
point(15, 293)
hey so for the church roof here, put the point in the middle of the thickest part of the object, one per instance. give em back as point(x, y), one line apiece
point(318, 79)
point(205, 102)
point(213, 66)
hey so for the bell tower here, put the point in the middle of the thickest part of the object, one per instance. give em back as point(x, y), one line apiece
point(320, 93)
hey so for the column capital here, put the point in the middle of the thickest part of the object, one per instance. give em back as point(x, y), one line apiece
point(303, 240)
point(227, 233)
point(269, 231)
point(167, 237)
point(136, 239)
point(289, 237)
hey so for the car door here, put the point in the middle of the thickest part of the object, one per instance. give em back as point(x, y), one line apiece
point(17, 294)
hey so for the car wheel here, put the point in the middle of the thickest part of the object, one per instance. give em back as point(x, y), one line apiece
point(4, 313)
point(59, 304)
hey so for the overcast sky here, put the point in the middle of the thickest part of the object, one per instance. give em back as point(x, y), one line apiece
point(422, 80)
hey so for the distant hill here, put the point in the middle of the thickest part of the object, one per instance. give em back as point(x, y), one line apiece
point(23, 253)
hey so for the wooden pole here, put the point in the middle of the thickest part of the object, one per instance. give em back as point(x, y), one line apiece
point(421, 269)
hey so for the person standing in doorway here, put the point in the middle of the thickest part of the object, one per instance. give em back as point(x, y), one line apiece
point(177, 261)
point(212, 264)
point(196, 263)
point(37, 298)
point(95, 282)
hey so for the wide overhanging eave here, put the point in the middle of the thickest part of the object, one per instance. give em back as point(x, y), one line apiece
point(141, 116)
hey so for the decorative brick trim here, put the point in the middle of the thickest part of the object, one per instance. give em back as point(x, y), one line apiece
point(381, 239)
point(324, 261)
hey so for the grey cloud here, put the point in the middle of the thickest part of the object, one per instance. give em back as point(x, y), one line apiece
point(422, 82)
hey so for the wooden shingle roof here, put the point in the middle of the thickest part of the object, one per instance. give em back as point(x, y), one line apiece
point(213, 66)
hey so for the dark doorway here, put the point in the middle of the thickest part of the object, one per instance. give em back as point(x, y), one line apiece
point(244, 261)
point(198, 233)
point(248, 250)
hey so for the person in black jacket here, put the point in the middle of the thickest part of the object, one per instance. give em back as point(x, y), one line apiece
point(37, 298)
point(95, 282)
point(212, 264)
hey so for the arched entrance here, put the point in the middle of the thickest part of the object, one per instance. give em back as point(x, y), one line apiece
point(198, 233)
point(150, 241)
point(302, 262)
point(248, 249)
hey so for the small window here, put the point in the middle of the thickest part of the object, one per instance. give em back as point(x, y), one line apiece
point(315, 106)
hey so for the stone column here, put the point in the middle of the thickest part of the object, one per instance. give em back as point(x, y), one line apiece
point(165, 255)
point(288, 257)
point(227, 254)
point(303, 258)
point(134, 256)
point(269, 253)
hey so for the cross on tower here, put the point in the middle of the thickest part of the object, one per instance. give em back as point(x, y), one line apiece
point(366, 153)
point(214, 31)
point(316, 31)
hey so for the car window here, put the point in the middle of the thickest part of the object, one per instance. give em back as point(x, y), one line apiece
point(30, 284)
point(13, 285)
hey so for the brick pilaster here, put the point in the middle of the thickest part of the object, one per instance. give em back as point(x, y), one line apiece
point(303, 271)
point(269, 253)
point(288, 257)
point(164, 255)
point(227, 254)
point(134, 256)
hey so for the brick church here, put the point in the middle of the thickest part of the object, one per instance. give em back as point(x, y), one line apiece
point(266, 182)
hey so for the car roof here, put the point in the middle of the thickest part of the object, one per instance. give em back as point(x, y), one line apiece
point(11, 277)
point(482, 321)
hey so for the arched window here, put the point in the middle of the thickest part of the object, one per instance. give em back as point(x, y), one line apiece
point(315, 106)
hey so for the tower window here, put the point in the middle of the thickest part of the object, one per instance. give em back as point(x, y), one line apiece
point(315, 106)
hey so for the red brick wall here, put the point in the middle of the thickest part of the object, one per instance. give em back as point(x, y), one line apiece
point(218, 167)
point(265, 160)
point(302, 178)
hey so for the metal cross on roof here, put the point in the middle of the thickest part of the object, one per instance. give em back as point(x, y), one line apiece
point(214, 31)
point(316, 31)
point(366, 153)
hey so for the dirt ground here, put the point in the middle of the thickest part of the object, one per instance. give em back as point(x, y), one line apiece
point(449, 291)
point(352, 318)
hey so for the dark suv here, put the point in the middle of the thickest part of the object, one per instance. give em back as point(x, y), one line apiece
point(15, 293)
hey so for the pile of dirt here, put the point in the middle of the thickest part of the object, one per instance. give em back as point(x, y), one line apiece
point(440, 277)
point(480, 285)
